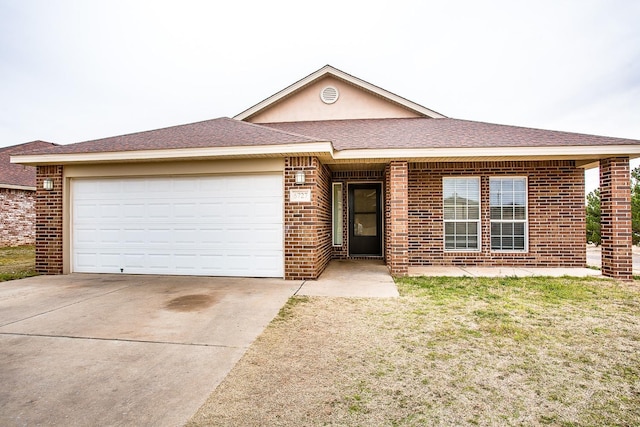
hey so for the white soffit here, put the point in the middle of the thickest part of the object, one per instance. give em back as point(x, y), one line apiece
point(329, 70)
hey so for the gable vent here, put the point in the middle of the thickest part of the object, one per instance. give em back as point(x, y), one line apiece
point(329, 95)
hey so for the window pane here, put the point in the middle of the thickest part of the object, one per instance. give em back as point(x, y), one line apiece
point(474, 212)
point(461, 201)
point(518, 243)
point(496, 212)
point(508, 202)
point(507, 212)
point(507, 243)
point(518, 228)
point(365, 200)
point(449, 212)
point(496, 228)
point(449, 227)
point(337, 214)
point(520, 199)
point(365, 224)
point(448, 242)
point(448, 188)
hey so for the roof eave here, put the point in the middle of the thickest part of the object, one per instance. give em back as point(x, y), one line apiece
point(322, 149)
point(587, 156)
point(329, 70)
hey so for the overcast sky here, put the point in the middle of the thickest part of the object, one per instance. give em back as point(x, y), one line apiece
point(72, 71)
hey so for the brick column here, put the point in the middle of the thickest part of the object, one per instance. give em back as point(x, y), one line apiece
point(49, 221)
point(397, 218)
point(307, 225)
point(615, 206)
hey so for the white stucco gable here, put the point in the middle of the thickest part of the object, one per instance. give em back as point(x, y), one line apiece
point(331, 94)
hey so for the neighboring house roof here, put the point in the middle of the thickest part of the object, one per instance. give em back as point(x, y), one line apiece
point(18, 176)
point(328, 70)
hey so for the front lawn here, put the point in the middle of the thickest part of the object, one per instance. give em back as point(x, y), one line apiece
point(449, 351)
point(17, 262)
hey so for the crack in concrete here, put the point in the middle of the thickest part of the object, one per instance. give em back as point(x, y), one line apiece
point(120, 340)
point(64, 306)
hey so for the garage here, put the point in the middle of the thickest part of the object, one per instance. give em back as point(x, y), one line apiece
point(217, 225)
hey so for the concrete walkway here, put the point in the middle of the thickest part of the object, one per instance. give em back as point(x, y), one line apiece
point(501, 272)
point(352, 279)
point(371, 278)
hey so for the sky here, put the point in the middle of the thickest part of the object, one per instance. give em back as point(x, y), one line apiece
point(72, 71)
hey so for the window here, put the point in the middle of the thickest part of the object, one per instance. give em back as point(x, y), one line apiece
point(508, 201)
point(461, 205)
point(336, 211)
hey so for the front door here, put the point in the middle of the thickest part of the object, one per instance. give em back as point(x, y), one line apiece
point(365, 220)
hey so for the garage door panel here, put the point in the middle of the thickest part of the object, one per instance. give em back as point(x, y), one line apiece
point(228, 225)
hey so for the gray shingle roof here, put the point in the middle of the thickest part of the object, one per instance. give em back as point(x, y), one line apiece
point(221, 132)
point(437, 133)
point(400, 133)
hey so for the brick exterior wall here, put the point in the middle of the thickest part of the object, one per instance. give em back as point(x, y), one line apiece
point(49, 221)
point(615, 207)
point(397, 218)
point(345, 177)
point(17, 217)
point(555, 213)
point(307, 246)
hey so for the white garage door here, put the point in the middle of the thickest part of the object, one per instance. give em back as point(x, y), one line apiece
point(207, 225)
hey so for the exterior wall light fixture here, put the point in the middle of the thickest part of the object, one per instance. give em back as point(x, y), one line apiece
point(300, 178)
point(47, 184)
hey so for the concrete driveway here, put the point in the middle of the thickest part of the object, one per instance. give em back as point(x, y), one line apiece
point(124, 350)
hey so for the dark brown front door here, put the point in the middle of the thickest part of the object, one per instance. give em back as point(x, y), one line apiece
point(365, 220)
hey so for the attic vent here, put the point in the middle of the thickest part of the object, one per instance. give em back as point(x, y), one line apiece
point(329, 95)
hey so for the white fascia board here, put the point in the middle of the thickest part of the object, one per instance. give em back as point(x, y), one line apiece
point(18, 187)
point(632, 151)
point(175, 154)
point(329, 70)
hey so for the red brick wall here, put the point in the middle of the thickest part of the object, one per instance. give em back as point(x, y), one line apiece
point(396, 218)
point(17, 217)
point(344, 177)
point(307, 248)
point(49, 221)
point(615, 205)
point(556, 214)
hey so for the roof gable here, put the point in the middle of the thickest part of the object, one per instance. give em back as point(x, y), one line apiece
point(356, 99)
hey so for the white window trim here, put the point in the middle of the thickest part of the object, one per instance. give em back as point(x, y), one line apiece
point(479, 220)
point(525, 221)
point(333, 218)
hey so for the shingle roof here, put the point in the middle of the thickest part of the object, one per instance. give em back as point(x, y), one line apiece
point(406, 133)
point(19, 175)
point(221, 132)
point(437, 133)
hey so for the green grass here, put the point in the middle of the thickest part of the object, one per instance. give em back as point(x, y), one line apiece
point(17, 262)
point(463, 351)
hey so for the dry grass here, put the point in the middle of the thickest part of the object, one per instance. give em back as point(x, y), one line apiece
point(17, 262)
point(449, 351)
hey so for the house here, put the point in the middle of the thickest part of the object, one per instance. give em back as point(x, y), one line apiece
point(331, 167)
point(17, 196)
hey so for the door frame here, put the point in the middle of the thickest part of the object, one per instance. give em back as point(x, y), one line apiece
point(349, 217)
